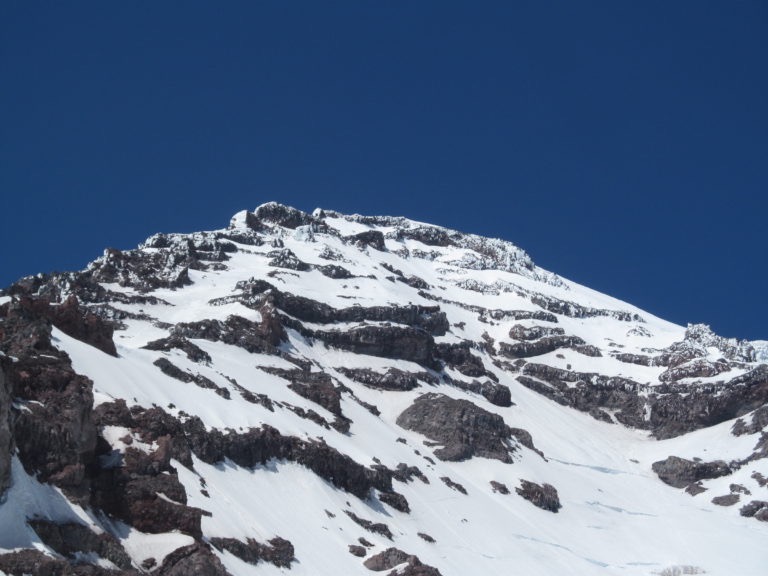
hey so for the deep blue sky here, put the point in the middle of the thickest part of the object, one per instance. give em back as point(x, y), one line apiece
point(624, 145)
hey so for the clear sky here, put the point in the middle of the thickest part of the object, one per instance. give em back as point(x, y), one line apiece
point(624, 145)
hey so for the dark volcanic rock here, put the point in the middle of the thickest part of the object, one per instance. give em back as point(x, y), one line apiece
point(358, 551)
point(542, 495)
point(755, 509)
point(391, 557)
point(464, 429)
point(255, 293)
point(334, 271)
point(71, 539)
point(453, 485)
point(679, 472)
point(375, 527)
point(520, 332)
point(397, 501)
point(257, 446)
point(392, 379)
point(31, 562)
point(285, 258)
point(69, 317)
point(459, 357)
point(397, 342)
point(54, 433)
point(6, 435)
point(175, 341)
point(372, 238)
point(261, 337)
point(541, 346)
point(83, 325)
point(194, 559)
point(281, 215)
point(758, 422)
point(387, 559)
point(495, 393)
point(405, 473)
point(279, 552)
point(727, 500)
point(499, 487)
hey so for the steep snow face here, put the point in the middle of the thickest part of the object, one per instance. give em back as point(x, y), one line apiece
point(350, 384)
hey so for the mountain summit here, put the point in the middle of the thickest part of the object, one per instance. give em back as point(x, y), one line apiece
point(324, 393)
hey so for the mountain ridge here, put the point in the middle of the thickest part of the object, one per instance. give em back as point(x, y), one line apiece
point(398, 362)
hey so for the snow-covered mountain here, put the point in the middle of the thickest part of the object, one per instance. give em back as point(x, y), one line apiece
point(332, 394)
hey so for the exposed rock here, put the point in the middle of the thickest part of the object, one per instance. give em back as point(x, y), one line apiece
point(756, 509)
point(695, 488)
point(170, 369)
point(392, 557)
point(71, 539)
point(499, 487)
point(459, 357)
point(54, 433)
point(464, 429)
point(285, 258)
point(696, 368)
point(279, 552)
point(542, 495)
point(396, 342)
point(429, 235)
point(453, 485)
point(679, 472)
point(358, 551)
point(6, 435)
point(176, 341)
point(397, 501)
point(674, 409)
point(727, 500)
point(392, 379)
point(541, 346)
point(739, 489)
point(281, 215)
point(31, 562)
point(256, 446)
point(372, 238)
point(194, 559)
point(405, 473)
point(387, 559)
point(498, 394)
point(81, 324)
point(520, 332)
point(426, 537)
point(132, 493)
point(375, 527)
point(758, 422)
point(334, 271)
point(262, 337)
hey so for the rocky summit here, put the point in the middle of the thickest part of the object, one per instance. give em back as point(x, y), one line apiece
point(323, 394)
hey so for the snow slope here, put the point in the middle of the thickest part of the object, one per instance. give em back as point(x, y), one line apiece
point(617, 516)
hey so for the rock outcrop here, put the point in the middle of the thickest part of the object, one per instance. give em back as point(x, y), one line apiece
point(462, 429)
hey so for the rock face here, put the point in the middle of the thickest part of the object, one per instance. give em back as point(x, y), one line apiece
point(463, 429)
point(679, 472)
point(543, 496)
point(6, 437)
point(392, 557)
point(278, 552)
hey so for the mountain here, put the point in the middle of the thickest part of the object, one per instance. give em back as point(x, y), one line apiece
point(324, 393)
